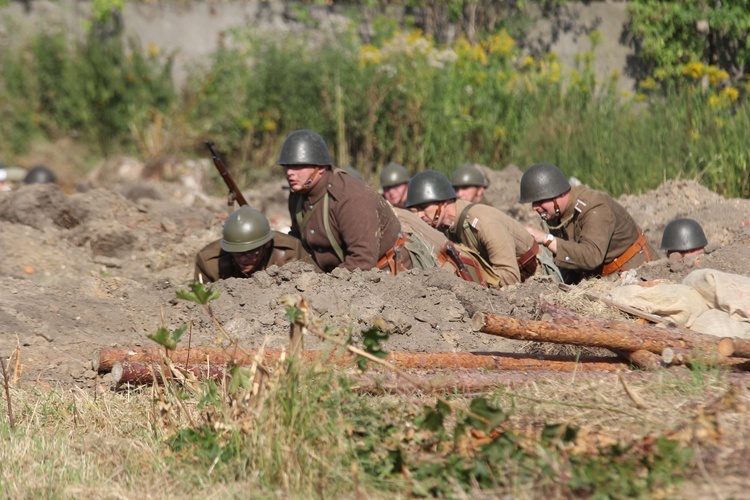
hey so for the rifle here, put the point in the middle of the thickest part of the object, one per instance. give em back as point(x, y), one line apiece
point(234, 191)
point(456, 258)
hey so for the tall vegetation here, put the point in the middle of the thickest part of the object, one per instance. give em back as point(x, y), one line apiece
point(407, 98)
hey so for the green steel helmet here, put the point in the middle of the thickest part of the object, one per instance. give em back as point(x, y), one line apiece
point(246, 229)
point(682, 235)
point(394, 174)
point(352, 171)
point(429, 186)
point(542, 181)
point(468, 175)
point(304, 147)
point(40, 175)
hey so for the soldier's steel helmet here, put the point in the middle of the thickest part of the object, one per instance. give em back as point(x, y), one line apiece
point(468, 175)
point(429, 186)
point(682, 235)
point(40, 175)
point(542, 181)
point(394, 174)
point(304, 147)
point(246, 229)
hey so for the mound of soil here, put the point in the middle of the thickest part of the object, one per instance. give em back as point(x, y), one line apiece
point(100, 266)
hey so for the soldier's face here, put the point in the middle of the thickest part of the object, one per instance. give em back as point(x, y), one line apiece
point(430, 213)
point(545, 208)
point(471, 194)
point(303, 177)
point(248, 261)
point(396, 195)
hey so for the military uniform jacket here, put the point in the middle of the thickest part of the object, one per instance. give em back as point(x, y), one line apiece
point(498, 241)
point(212, 263)
point(361, 222)
point(594, 230)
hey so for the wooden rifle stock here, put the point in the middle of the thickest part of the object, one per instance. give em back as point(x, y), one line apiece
point(456, 258)
point(234, 191)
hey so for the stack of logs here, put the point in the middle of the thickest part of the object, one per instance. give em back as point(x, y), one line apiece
point(645, 346)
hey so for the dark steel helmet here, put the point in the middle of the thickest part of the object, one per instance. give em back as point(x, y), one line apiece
point(246, 229)
point(468, 175)
point(429, 186)
point(542, 181)
point(682, 235)
point(352, 171)
point(304, 147)
point(394, 174)
point(40, 175)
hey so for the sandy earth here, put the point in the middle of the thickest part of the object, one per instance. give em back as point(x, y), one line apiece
point(97, 263)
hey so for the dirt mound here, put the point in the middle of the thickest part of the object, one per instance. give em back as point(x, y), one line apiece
point(101, 267)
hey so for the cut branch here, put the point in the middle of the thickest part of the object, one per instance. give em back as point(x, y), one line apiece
point(593, 332)
point(108, 358)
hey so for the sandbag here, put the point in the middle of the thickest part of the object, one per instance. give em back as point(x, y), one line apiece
point(680, 304)
point(724, 291)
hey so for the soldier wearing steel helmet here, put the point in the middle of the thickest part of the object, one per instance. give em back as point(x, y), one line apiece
point(341, 220)
point(394, 181)
point(248, 245)
point(493, 235)
point(469, 183)
point(682, 238)
point(590, 234)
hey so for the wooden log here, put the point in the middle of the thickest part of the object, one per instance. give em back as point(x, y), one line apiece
point(593, 332)
point(137, 373)
point(677, 356)
point(641, 358)
point(404, 360)
point(741, 348)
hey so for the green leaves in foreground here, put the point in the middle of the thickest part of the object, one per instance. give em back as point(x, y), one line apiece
point(168, 339)
point(198, 294)
point(372, 340)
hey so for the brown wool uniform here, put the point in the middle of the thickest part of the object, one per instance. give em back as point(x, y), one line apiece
point(595, 230)
point(213, 264)
point(500, 242)
point(361, 222)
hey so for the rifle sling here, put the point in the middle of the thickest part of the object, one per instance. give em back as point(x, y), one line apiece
point(302, 222)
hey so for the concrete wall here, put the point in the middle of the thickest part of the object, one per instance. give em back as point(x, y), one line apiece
point(194, 30)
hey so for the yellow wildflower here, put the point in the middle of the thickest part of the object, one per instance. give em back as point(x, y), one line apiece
point(716, 75)
point(499, 133)
point(730, 93)
point(368, 54)
point(648, 84)
point(694, 70)
point(714, 101)
point(640, 97)
point(501, 43)
point(269, 125)
point(153, 49)
point(527, 62)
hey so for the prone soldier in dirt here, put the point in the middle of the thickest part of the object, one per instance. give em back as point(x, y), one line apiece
point(341, 221)
point(590, 234)
point(682, 238)
point(469, 183)
point(248, 245)
point(507, 252)
point(394, 181)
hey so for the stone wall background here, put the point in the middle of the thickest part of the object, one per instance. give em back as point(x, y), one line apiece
point(193, 30)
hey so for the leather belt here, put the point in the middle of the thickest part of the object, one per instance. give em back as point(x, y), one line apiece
point(527, 263)
point(396, 259)
point(616, 265)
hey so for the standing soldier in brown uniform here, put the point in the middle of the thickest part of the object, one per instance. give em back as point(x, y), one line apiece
point(248, 245)
point(590, 233)
point(469, 183)
point(394, 181)
point(340, 219)
point(501, 241)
